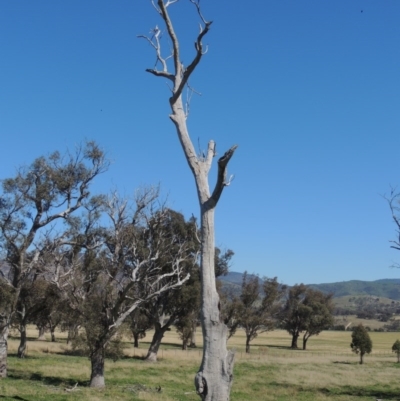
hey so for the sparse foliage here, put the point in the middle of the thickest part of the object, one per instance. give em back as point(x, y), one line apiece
point(51, 189)
point(116, 257)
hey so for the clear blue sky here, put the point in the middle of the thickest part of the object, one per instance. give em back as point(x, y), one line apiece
point(309, 90)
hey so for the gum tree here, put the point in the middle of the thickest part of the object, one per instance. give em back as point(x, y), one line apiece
point(361, 342)
point(117, 257)
point(214, 379)
point(50, 189)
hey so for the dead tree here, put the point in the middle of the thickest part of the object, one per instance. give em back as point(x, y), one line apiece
point(214, 378)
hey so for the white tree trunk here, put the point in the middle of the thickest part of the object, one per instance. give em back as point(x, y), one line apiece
point(3, 350)
point(214, 378)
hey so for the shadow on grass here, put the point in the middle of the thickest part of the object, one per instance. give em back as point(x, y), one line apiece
point(15, 397)
point(352, 391)
point(278, 347)
point(48, 380)
point(15, 355)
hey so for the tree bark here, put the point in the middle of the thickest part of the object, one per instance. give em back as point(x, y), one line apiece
point(305, 339)
point(22, 344)
point(156, 342)
point(41, 336)
point(136, 336)
point(295, 337)
point(192, 343)
point(214, 378)
point(248, 344)
point(3, 347)
point(52, 333)
point(361, 358)
point(97, 365)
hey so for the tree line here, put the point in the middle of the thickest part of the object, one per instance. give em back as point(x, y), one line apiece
point(97, 264)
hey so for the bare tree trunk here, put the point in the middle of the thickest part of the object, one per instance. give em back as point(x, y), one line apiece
point(295, 337)
point(52, 333)
point(248, 344)
point(136, 336)
point(3, 346)
point(22, 344)
point(214, 378)
point(398, 357)
point(361, 358)
point(305, 339)
point(193, 335)
point(41, 336)
point(73, 330)
point(156, 342)
point(97, 365)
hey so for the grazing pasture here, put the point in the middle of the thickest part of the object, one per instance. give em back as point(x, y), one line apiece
point(328, 370)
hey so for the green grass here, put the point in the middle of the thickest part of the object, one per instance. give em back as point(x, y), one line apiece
point(326, 371)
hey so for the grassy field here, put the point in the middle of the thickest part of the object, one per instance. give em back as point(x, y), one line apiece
point(326, 371)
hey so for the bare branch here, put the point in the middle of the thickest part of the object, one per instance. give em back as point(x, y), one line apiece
point(221, 179)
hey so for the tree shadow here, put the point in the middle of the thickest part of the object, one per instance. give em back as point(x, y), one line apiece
point(285, 347)
point(15, 397)
point(351, 391)
point(48, 380)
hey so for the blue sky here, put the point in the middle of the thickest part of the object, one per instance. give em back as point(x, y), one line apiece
point(309, 90)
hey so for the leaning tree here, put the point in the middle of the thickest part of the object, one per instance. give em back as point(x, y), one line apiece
point(214, 378)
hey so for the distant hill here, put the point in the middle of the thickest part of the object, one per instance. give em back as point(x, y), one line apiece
point(387, 288)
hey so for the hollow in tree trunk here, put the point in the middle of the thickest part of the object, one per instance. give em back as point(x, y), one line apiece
point(97, 366)
point(156, 342)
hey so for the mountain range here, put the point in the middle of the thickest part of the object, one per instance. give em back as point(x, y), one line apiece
point(388, 288)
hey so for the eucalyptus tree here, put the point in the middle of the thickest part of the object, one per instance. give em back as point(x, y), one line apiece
point(258, 306)
point(318, 313)
point(166, 308)
point(112, 263)
point(361, 342)
point(214, 379)
point(50, 189)
point(306, 311)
